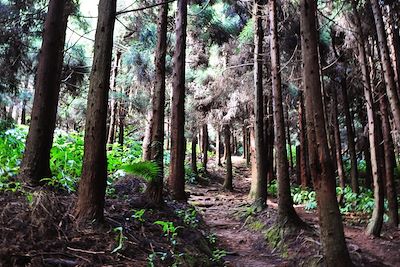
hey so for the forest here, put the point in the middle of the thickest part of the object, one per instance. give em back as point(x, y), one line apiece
point(199, 133)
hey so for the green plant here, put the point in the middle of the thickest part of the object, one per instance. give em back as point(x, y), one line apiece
point(189, 216)
point(170, 230)
point(145, 169)
point(273, 188)
point(120, 238)
point(217, 255)
point(138, 215)
point(212, 238)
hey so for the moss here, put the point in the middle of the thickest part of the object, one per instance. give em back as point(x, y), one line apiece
point(275, 239)
point(256, 225)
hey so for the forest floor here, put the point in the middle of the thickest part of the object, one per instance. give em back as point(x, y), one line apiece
point(37, 228)
point(251, 239)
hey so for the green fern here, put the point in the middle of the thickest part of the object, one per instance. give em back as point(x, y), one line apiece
point(145, 169)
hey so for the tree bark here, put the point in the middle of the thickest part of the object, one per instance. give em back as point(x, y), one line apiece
point(194, 154)
point(389, 162)
point(228, 184)
point(304, 162)
point(286, 212)
point(155, 187)
point(92, 186)
point(331, 227)
point(218, 148)
point(35, 163)
point(388, 72)
point(176, 181)
point(258, 190)
point(338, 143)
point(205, 146)
point(375, 224)
point(114, 102)
point(350, 138)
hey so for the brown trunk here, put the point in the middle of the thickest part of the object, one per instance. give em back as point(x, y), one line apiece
point(114, 102)
point(375, 224)
point(331, 227)
point(248, 148)
point(146, 147)
point(258, 190)
point(155, 187)
point(304, 162)
point(350, 138)
point(244, 145)
point(194, 154)
point(92, 186)
point(228, 184)
point(298, 177)
point(386, 64)
point(176, 181)
point(289, 141)
point(121, 123)
point(389, 163)
point(286, 212)
point(394, 45)
point(338, 142)
point(218, 148)
point(36, 159)
point(205, 147)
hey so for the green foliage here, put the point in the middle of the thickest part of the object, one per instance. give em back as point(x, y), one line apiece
point(138, 215)
point(273, 188)
point(189, 217)
point(145, 169)
point(120, 238)
point(217, 255)
point(66, 158)
point(11, 148)
point(306, 197)
point(246, 36)
point(170, 230)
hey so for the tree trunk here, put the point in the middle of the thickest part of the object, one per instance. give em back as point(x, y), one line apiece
point(331, 227)
point(121, 123)
point(218, 148)
point(258, 190)
point(35, 163)
point(375, 225)
point(228, 184)
point(286, 212)
point(289, 141)
point(394, 45)
point(350, 138)
point(244, 145)
point(146, 147)
point(389, 163)
point(194, 154)
point(176, 181)
point(386, 64)
point(304, 162)
point(338, 142)
point(92, 186)
point(155, 187)
point(205, 146)
point(114, 102)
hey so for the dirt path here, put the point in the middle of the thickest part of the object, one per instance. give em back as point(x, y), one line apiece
point(245, 248)
point(249, 248)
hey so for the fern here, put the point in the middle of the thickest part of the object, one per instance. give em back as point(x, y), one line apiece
point(145, 169)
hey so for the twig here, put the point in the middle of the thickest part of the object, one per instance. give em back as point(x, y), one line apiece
point(86, 251)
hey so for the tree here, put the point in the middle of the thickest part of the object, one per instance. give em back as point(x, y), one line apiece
point(176, 181)
point(92, 187)
point(331, 227)
point(228, 183)
point(375, 225)
point(258, 190)
point(205, 146)
point(155, 187)
point(35, 163)
point(388, 72)
point(114, 103)
point(286, 212)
